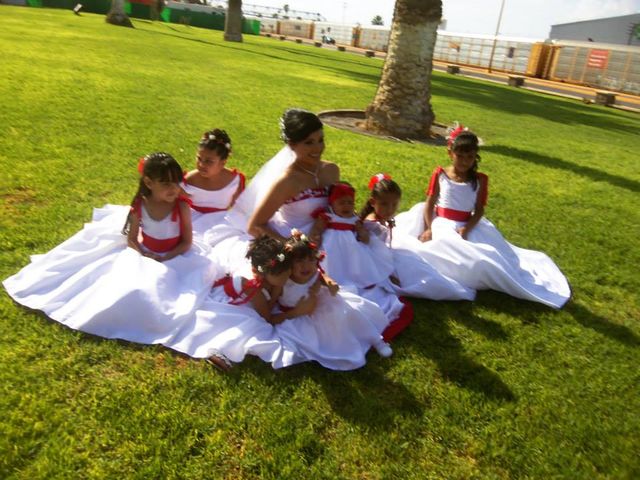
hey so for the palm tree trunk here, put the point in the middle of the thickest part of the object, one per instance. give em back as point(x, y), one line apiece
point(402, 107)
point(233, 21)
point(117, 15)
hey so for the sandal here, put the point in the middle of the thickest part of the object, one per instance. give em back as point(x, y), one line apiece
point(219, 360)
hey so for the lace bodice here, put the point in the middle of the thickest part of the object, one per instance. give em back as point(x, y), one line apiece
point(296, 212)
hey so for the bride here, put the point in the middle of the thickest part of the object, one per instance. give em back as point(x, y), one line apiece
point(282, 196)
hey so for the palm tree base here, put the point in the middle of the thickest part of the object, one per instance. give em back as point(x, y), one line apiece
point(355, 121)
point(119, 19)
point(399, 119)
point(233, 37)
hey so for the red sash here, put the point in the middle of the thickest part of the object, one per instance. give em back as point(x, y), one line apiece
point(451, 214)
point(238, 298)
point(341, 226)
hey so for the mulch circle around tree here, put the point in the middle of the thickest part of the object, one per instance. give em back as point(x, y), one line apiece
point(353, 121)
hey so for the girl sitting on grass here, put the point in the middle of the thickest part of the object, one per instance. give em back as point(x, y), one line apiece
point(212, 186)
point(412, 276)
point(139, 287)
point(341, 328)
point(352, 257)
point(238, 317)
point(449, 230)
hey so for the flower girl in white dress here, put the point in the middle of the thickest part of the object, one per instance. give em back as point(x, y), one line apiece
point(238, 318)
point(212, 187)
point(412, 275)
point(140, 286)
point(341, 329)
point(449, 230)
point(353, 257)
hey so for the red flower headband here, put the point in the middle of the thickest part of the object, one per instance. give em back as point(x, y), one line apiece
point(340, 190)
point(141, 165)
point(454, 133)
point(378, 177)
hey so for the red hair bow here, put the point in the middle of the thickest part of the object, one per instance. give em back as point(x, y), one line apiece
point(454, 133)
point(141, 165)
point(378, 177)
point(340, 190)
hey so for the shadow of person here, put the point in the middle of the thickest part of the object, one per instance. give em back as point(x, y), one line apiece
point(366, 396)
point(465, 314)
point(526, 311)
point(588, 319)
point(531, 312)
point(431, 337)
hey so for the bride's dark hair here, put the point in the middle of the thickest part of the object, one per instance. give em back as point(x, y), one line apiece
point(297, 124)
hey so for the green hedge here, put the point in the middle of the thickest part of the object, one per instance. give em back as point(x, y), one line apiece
point(91, 6)
point(252, 27)
point(213, 21)
point(137, 10)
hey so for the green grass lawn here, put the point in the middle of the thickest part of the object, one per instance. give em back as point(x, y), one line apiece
point(501, 388)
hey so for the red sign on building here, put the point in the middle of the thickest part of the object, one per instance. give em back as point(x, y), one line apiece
point(598, 58)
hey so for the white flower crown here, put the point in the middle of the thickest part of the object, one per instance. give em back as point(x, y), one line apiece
point(279, 257)
point(211, 137)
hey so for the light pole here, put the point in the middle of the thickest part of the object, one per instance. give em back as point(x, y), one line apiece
point(495, 37)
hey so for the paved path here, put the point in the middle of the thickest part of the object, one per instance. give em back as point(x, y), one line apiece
point(578, 92)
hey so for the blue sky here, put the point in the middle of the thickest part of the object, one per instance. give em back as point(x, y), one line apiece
point(524, 18)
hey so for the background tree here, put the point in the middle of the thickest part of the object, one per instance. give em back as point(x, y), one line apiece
point(233, 21)
point(117, 15)
point(377, 20)
point(402, 107)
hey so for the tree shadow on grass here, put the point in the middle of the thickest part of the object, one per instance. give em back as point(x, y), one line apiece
point(311, 53)
point(359, 76)
point(558, 163)
point(517, 102)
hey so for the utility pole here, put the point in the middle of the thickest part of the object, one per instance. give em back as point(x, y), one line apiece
point(495, 37)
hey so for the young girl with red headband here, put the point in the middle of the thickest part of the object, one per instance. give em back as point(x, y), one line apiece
point(341, 328)
point(413, 276)
point(212, 187)
point(140, 286)
point(465, 246)
point(159, 223)
point(352, 257)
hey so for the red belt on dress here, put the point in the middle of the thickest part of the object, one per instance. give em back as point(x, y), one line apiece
point(341, 226)
point(160, 245)
point(451, 214)
point(200, 209)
